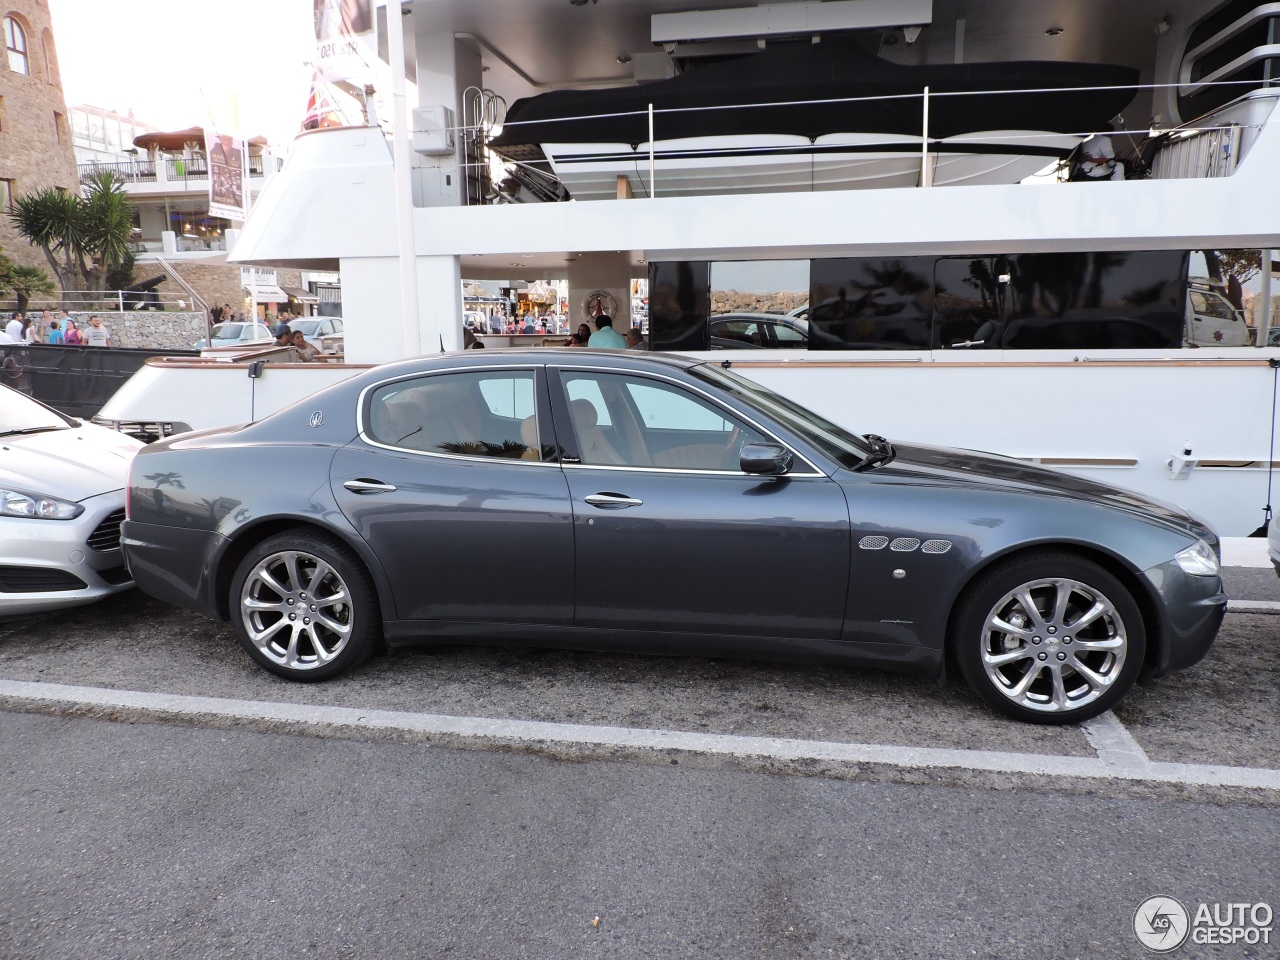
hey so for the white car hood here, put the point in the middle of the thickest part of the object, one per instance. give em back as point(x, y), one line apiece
point(71, 464)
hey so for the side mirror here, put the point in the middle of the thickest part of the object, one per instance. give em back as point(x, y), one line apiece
point(770, 459)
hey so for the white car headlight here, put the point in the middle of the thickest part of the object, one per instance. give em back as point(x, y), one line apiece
point(14, 503)
point(1199, 560)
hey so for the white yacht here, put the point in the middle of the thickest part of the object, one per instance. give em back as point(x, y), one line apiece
point(933, 294)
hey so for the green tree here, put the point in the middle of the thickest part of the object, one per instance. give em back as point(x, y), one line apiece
point(27, 282)
point(82, 237)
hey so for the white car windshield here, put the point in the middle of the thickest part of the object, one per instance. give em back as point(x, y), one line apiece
point(308, 327)
point(21, 414)
point(228, 331)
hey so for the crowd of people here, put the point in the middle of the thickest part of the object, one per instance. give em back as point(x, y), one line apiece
point(60, 330)
point(606, 337)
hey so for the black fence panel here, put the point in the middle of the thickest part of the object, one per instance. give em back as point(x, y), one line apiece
point(75, 380)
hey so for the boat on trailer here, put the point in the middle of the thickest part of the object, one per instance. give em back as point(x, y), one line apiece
point(806, 116)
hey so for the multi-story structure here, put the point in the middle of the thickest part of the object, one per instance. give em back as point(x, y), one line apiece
point(35, 137)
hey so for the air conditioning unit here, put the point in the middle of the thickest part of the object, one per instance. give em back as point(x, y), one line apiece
point(433, 130)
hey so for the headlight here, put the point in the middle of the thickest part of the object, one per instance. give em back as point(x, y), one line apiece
point(16, 504)
point(1198, 560)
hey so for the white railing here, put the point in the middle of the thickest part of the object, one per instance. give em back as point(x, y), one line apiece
point(80, 301)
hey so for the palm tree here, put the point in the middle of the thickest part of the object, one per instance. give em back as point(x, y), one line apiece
point(82, 238)
point(27, 282)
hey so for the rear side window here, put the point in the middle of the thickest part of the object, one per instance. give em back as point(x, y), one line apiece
point(471, 414)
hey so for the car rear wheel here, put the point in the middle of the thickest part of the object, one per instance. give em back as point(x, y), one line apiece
point(1049, 638)
point(303, 607)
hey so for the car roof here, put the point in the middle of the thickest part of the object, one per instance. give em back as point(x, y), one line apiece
point(516, 356)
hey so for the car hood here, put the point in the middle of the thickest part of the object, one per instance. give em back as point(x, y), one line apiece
point(975, 468)
point(70, 464)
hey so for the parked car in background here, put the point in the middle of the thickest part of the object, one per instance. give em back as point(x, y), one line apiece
point(234, 334)
point(1212, 320)
point(762, 331)
point(62, 485)
point(315, 329)
point(658, 488)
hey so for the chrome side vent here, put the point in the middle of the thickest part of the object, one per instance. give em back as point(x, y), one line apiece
point(873, 543)
point(936, 546)
point(904, 544)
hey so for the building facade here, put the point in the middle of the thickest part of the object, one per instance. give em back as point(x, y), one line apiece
point(36, 149)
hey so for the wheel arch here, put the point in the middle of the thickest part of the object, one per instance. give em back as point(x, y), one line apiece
point(1137, 585)
point(249, 536)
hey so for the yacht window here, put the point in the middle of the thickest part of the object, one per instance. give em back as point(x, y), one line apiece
point(871, 303)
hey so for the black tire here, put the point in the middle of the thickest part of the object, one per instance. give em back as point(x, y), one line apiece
point(1017, 672)
point(304, 607)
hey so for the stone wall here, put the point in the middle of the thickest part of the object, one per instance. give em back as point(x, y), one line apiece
point(731, 301)
point(34, 154)
point(219, 283)
point(150, 329)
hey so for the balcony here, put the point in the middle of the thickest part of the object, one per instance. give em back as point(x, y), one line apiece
point(176, 175)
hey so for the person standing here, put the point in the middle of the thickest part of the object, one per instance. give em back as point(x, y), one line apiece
point(15, 328)
point(46, 324)
point(54, 337)
point(98, 335)
point(215, 314)
point(605, 336)
point(71, 333)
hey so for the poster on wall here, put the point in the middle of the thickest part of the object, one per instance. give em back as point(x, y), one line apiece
point(227, 193)
point(339, 54)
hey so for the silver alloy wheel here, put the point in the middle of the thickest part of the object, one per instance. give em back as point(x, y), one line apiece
point(296, 610)
point(1053, 645)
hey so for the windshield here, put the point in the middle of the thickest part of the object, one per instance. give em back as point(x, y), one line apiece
point(227, 331)
point(21, 414)
point(308, 327)
point(847, 449)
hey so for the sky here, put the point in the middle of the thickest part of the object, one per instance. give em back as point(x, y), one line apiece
point(164, 59)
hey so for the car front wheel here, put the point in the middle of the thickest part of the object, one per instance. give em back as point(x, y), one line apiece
point(303, 607)
point(1049, 638)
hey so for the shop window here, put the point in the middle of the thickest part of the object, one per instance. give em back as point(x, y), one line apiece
point(6, 195)
point(15, 41)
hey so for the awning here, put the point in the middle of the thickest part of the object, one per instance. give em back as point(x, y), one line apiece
point(300, 294)
point(267, 294)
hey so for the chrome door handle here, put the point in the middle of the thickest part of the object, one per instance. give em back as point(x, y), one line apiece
point(369, 486)
point(612, 500)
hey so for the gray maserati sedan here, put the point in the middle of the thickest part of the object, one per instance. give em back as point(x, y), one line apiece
point(648, 503)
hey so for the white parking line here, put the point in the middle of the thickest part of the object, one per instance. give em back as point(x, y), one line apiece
point(1115, 745)
point(283, 717)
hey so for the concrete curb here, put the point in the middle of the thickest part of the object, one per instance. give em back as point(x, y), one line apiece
point(1254, 606)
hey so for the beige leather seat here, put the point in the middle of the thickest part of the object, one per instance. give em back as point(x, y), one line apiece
point(529, 437)
point(593, 445)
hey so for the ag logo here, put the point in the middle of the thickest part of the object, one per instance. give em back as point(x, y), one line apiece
point(317, 419)
point(1161, 924)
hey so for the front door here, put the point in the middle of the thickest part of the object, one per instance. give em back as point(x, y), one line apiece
point(671, 535)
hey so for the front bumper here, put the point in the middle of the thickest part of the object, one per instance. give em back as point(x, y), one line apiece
point(52, 564)
point(1191, 609)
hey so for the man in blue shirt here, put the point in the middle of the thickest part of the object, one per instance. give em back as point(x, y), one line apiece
point(606, 336)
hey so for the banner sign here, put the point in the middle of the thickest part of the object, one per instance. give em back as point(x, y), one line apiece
point(227, 187)
point(339, 55)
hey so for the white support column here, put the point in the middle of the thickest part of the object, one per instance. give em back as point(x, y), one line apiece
point(1264, 319)
point(610, 272)
point(407, 248)
point(440, 311)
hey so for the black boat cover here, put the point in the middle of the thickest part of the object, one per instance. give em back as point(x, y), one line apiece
point(764, 93)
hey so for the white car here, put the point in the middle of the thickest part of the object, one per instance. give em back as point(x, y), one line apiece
point(62, 485)
point(235, 333)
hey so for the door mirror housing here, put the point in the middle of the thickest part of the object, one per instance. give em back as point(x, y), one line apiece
point(769, 459)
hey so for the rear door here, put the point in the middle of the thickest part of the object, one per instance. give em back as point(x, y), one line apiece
point(453, 487)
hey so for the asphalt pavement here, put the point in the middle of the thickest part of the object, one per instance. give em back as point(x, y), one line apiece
point(166, 797)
